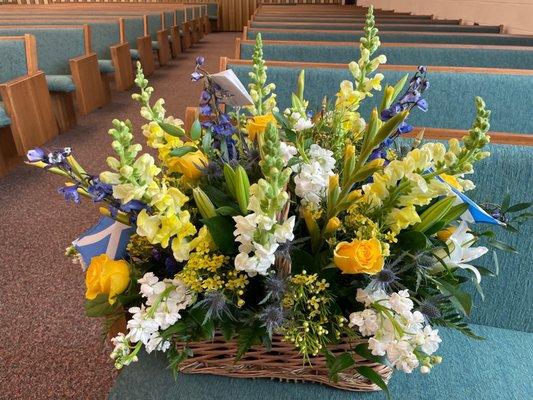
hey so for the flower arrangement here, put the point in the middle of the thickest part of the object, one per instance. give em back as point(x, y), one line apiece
point(317, 226)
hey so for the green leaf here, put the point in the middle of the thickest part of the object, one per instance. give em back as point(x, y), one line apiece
point(181, 151)
point(505, 203)
point(502, 246)
point(221, 229)
point(496, 263)
point(337, 364)
point(518, 207)
point(461, 299)
point(227, 210)
point(206, 142)
point(374, 377)
point(412, 240)
point(363, 351)
point(399, 87)
point(248, 336)
point(171, 129)
point(99, 306)
point(435, 227)
point(227, 329)
point(454, 213)
point(196, 130)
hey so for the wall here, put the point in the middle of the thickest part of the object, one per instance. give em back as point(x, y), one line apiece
point(515, 15)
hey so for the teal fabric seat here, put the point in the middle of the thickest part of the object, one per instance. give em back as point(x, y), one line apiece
point(13, 59)
point(493, 369)
point(394, 37)
point(4, 119)
point(155, 45)
point(383, 27)
point(450, 96)
point(135, 54)
point(106, 66)
point(404, 55)
point(60, 83)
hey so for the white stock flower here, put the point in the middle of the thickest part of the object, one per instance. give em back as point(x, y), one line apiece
point(302, 124)
point(140, 328)
point(400, 354)
point(156, 343)
point(365, 320)
point(401, 303)
point(287, 152)
point(431, 340)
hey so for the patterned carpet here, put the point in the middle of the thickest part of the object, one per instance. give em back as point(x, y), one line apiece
point(49, 349)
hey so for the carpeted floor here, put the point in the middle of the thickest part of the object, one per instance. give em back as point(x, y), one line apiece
point(48, 348)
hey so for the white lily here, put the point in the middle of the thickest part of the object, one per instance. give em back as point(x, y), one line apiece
point(461, 252)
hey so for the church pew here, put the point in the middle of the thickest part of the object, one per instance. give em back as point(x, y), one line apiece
point(391, 37)
point(383, 27)
point(359, 19)
point(113, 55)
point(71, 67)
point(450, 95)
point(517, 57)
point(26, 117)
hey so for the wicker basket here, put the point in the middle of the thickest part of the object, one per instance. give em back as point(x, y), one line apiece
point(282, 362)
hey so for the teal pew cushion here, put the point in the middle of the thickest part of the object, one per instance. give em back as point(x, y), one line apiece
point(382, 27)
point(55, 47)
point(155, 45)
point(412, 55)
point(4, 119)
point(154, 25)
point(180, 16)
point(395, 37)
point(212, 10)
point(13, 60)
point(135, 54)
point(104, 35)
point(509, 296)
point(133, 28)
point(60, 83)
point(494, 369)
point(450, 97)
point(106, 66)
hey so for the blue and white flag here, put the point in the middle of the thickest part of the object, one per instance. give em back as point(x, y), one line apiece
point(474, 213)
point(107, 236)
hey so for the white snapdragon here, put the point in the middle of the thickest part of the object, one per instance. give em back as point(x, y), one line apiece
point(395, 330)
point(311, 181)
point(164, 301)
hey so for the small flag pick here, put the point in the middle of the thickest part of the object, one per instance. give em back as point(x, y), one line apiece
point(107, 236)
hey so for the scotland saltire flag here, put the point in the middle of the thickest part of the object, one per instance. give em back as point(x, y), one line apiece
point(107, 236)
point(474, 213)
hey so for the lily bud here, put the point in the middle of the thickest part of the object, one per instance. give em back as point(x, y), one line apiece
point(204, 204)
point(332, 225)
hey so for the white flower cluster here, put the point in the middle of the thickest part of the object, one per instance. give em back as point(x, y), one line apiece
point(299, 122)
point(164, 301)
point(260, 235)
point(313, 176)
point(395, 330)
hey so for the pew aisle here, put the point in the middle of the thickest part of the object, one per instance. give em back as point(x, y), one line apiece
point(49, 348)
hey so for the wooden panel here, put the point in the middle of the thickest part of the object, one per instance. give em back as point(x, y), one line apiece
point(163, 52)
point(121, 58)
point(146, 54)
point(8, 151)
point(90, 91)
point(64, 111)
point(187, 38)
point(27, 102)
point(176, 41)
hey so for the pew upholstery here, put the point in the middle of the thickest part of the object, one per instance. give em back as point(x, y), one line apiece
point(391, 37)
point(397, 54)
point(450, 97)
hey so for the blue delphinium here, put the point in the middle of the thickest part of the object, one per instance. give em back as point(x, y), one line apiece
point(411, 98)
point(70, 193)
point(210, 103)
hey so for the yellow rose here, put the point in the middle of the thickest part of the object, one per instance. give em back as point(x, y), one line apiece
point(257, 125)
point(188, 165)
point(359, 257)
point(106, 276)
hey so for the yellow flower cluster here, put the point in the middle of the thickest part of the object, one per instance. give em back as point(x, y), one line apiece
point(204, 270)
point(188, 166)
point(167, 221)
point(405, 184)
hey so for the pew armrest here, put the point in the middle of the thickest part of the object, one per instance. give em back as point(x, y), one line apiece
point(176, 40)
point(146, 55)
point(164, 46)
point(120, 55)
point(27, 102)
point(90, 92)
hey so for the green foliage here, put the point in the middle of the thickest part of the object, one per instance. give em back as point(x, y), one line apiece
point(337, 364)
point(248, 336)
point(374, 377)
point(100, 307)
point(221, 230)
